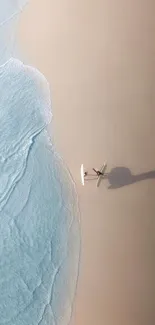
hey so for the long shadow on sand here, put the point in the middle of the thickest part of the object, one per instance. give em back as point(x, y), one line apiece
point(122, 176)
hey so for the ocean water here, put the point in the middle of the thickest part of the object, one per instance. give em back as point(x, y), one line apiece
point(10, 11)
point(39, 214)
point(10, 8)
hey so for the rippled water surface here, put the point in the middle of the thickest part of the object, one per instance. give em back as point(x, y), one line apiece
point(39, 226)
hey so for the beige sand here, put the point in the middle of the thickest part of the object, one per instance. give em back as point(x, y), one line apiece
point(99, 59)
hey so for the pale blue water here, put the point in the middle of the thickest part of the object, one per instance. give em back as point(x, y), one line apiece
point(10, 8)
point(39, 226)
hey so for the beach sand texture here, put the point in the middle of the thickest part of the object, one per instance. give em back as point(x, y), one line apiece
point(99, 59)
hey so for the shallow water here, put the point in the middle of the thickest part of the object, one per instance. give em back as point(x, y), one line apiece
point(39, 228)
point(10, 8)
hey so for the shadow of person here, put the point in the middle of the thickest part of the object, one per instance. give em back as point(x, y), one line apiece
point(122, 176)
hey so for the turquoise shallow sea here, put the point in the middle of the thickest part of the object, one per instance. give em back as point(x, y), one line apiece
point(39, 227)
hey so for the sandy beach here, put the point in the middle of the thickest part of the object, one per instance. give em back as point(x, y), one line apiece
point(98, 57)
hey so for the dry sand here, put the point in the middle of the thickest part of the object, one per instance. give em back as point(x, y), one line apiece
point(99, 59)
